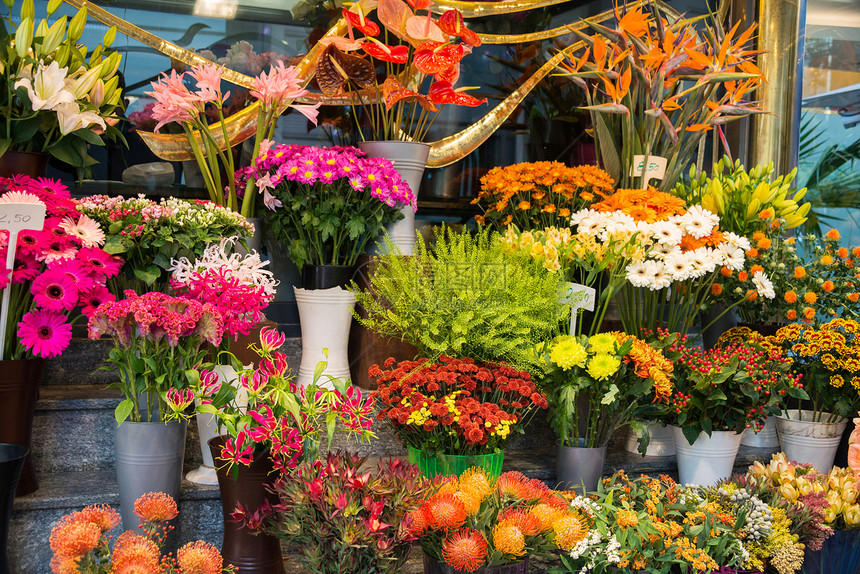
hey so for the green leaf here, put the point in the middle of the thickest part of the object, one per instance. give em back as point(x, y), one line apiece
point(691, 434)
point(123, 410)
point(89, 136)
point(608, 151)
point(148, 275)
point(72, 151)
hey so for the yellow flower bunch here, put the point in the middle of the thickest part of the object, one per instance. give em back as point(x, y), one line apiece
point(538, 194)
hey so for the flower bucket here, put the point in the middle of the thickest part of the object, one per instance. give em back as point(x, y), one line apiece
point(409, 159)
point(708, 460)
point(12, 458)
point(325, 315)
point(20, 380)
point(803, 440)
point(580, 468)
point(840, 553)
point(765, 438)
point(433, 464)
point(662, 443)
point(433, 566)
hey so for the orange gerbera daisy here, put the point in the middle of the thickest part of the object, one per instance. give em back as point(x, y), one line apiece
point(465, 550)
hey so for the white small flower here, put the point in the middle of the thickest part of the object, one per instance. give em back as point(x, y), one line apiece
point(763, 285)
point(699, 222)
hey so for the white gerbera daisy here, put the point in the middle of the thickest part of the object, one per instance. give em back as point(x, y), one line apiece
point(763, 285)
point(666, 232)
point(661, 276)
point(679, 265)
point(703, 261)
point(737, 241)
point(729, 255)
point(663, 251)
point(87, 230)
point(699, 222)
point(638, 274)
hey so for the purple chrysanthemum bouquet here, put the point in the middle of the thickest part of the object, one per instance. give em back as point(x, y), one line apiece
point(329, 203)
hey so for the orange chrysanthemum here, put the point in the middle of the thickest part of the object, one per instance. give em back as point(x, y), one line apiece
point(810, 297)
point(752, 252)
point(751, 295)
point(799, 272)
point(790, 297)
point(853, 297)
point(726, 272)
point(809, 313)
point(827, 260)
point(833, 234)
point(156, 507)
point(756, 269)
point(446, 511)
point(766, 213)
point(465, 550)
point(72, 537)
point(569, 531)
point(742, 276)
point(763, 243)
point(509, 539)
point(842, 252)
point(827, 286)
point(856, 251)
point(105, 517)
point(199, 558)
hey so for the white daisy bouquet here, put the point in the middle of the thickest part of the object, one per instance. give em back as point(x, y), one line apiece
point(59, 271)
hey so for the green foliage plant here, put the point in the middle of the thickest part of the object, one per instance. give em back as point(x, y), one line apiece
point(464, 297)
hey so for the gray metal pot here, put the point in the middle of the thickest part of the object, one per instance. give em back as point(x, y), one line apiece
point(580, 468)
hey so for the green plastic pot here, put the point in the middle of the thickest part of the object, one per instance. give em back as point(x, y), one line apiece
point(432, 464)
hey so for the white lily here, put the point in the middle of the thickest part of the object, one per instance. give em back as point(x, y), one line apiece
point(71, 118)
point(47, 88)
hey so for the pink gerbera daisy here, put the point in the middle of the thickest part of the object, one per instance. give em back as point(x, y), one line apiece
point(53, 187)
point(92, 298)
point(26, 269)
point(17, 196)
point(30, 241)
point(55, 291)
point(85, 229)
point(99, 261)
point(45, 333)
point(76, 271)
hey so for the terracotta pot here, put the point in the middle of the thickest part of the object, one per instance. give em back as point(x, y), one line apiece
point(249, 552)
point(19, 389)
point(23, 163)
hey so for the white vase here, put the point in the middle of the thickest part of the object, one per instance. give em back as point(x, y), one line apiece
point(207, 428)
point(409, 159)
point(325, 316)
point(662, 443)
point(709, 459)
point(765, 438)
point(803, 440)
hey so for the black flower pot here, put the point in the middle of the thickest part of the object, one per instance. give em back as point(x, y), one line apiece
point(326, 276)
point(11, 462)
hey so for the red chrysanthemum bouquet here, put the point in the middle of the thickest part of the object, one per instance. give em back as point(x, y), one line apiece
point(420, 69)
point(59, 271)
point(80, 542)
point(269, 413)
point(455, 406)
point(474, 521)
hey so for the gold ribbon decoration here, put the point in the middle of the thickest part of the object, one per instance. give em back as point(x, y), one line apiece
point(242, 125)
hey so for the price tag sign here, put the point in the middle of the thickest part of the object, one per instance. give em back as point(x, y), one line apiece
point(656, 168)
point(14, 218)
point(578, 297)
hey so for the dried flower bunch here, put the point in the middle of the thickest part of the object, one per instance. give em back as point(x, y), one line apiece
point(59, 273)
point(455, 406)
point(81, 543)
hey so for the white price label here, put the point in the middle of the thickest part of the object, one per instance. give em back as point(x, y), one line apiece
point(578, 297)
point(656, 167)
point(17, 217)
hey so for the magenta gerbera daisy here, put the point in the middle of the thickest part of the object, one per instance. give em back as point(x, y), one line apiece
point(45, 333)
point(100, 262)
point(26, 268)
point(31, 241)
point(55, 291)
point(76, 271)
point(92, 298)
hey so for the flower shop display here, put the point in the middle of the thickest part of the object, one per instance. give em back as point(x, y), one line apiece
point(57, 276)
point(538, 195)
point(452, 413)
point(486, 524)
point(436, 300)
point(654, 525)
point(58, 95)
point(826, 359)
point(642, 109)
point(82, 542)
point(340, 513)
point(239, 287)
point(718, 394)
point(149, 234)
point(12, 458)
point(269, 426)
point(274, 90)
point(596, 385)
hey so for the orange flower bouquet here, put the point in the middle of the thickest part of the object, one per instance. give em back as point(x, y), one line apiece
point(474, 521)
point(655, 88)
point(538, 195)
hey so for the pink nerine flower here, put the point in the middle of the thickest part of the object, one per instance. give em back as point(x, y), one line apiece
point(174, 102)
point(277, 89)
point(208, 78)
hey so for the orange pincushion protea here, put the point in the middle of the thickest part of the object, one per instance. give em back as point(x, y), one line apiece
point(105, 517)
point(446, 511)
point(528, 524)
point(516, 485)
point(509, 539)
point(569, 530)
point(135, 554)
point(73, 537)
point(476, 482)
point(156, 507)
point(546, 514)
point(465, 550)
point(199, 558)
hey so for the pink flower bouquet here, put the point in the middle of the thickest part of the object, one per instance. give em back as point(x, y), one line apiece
point(327, 203)
point(269, 412)
point(158, 344)
point(59, 271)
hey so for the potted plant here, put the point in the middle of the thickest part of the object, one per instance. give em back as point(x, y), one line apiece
point(453, 414)
point(718, 394)
point(653, 525)
point(596, 385)
point(56, 101)
point(825, 358)
point(158, 343)
point(149, 234)
point(82, 542)
point(238, 286)
point(57, 276)
point(479, 523)
point(269, 426)
point(329, 205)
point(340, 513)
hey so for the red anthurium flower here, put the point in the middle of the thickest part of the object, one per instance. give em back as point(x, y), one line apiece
point(360, 22)
point(450, 75)
point(420, 4)
point(423, 28)
point(393, 91)
point(451, 22)
point(444, 93)
point(380, 51)
point(433, 57)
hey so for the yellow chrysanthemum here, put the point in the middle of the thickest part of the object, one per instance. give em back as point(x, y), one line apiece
point(603, 366)
point(568, 353)
point(602, 343)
